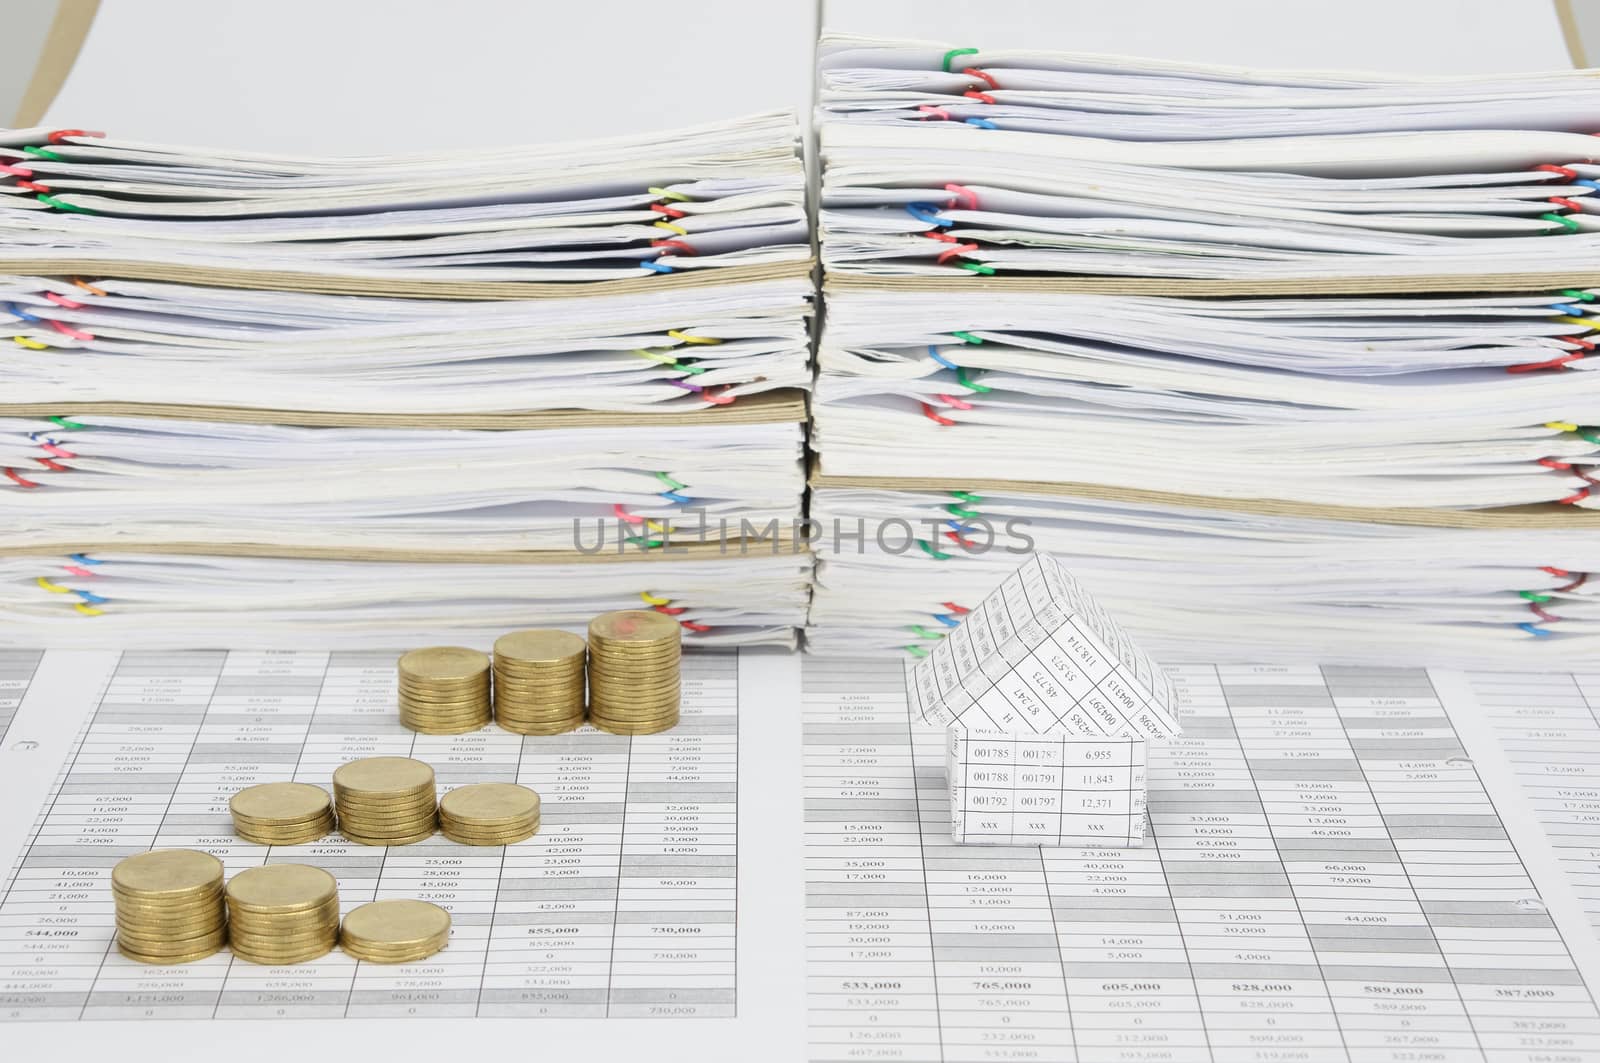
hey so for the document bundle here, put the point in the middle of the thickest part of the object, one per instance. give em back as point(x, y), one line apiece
point(1273, 361)
point(351, 400)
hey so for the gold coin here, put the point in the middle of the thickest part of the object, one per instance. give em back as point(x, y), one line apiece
point(309, 833)
point(490, 840)
point(564, 672)
point(536, 646)
point(600, 683)
point(488, 803)
point(412, 807)
point(444, 691)
point(633, 625)
point(284, 888)
point(174, 939)
point(246, 918)
point(618, 662)
point(395, 923)
point(264, 959)
point(171, 960)
point(167, 873)
point(379, 840)
point(443, 663)
point(272, 942)
point(376, 777)
point(288, 825)
point(279, 802)
point(391, 799)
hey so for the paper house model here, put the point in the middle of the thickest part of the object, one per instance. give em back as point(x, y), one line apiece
point(1048, 706)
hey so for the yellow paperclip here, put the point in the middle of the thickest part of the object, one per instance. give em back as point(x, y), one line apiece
point(662, 193)
point(88, 610)
point(651, 599)
point(1584, 321)
point(680, 230)
point(1561, 426)
point(656, 356)
point(53, 588)
point(32, 345)
point(684, 337)
point(653, 526)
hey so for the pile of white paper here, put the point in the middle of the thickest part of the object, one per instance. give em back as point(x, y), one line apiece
point(335, 400)
point(1265, 357)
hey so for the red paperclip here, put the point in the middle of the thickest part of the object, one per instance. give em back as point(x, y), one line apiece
point(1567, 172)
point(1554, 363)
point(964, 196)
point(670, 610)
point(959, 610)
point(668, 211)
point(623, 514)
point(932, 415)
point(12, 475)
point(15, 171)
point(678, 244)
point(692, 626)
point(61, 134)
point(1563, 201)
point(959, 249)
point(974, 94)
point(34, 186)
point(937, 112)
point(954, 403)
point(974, 72)
point(1583, 577)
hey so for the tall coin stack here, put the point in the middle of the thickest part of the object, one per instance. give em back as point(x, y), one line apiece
point(281, 813)
point(385, 800)
point(538, 682)
point(444, 690)
point(634, 659)
point(489, 813)
point(395, 931)
point(282, 913)
point(169, 906)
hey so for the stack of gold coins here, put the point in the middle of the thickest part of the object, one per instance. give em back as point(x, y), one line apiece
point(282, 913)
point(395, 931)
point(169, 906)
point(444, 690)
point(633, 672)
point(538, 682)
point(489, 813)
point(281, 813)
point(385, 800)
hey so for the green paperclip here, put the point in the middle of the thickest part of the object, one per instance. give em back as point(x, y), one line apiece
point(967, 337)
point(915, 651)
point(956, 511)
point(44, 153)
point(1561, 219)
point(931, 552)
point(64, 423)
point(52, 201)
point(1582, 297)
point(923, 633)
point(961, 375)
point(649, 544)
point(1589, 435)
point(952, 53)
point(988, 271)
point(692, 370)
point(1535, 596)
point(672, 485)
point(965, 496)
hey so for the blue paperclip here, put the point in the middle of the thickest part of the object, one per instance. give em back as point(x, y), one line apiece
point(82, 559)
point(23, 314)
point(90, 596)
point(982, 123)
point(933, 352)
point(1570, 309)
point(1532, 630)
point(659, 267)
point(673, 496)
point(927, 213)
point(946, 621)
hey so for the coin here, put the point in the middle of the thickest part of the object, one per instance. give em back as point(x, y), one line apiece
point(281, 888)
point(383, 930)
point(170, 873)
point(382, 775)
point(633, 625)
point(399, 839)
point(443, 663)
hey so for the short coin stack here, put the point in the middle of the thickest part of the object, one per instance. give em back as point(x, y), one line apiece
point(281, 813)
point(634, 659)
point(385, 800)
point(444, 690)
point(489, 813)
point(169, 906)
point(397, 931)
point(282, 913)
point(538, 682)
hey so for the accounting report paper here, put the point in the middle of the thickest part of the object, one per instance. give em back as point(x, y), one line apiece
point(1340, 864)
